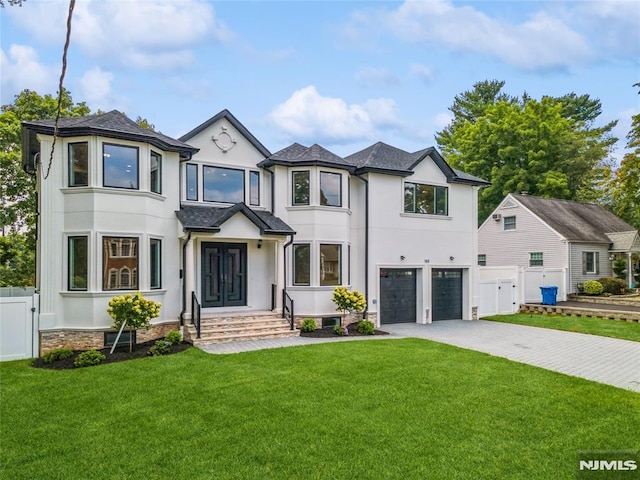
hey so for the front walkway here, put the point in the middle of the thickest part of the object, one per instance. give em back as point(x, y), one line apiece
point(601, 359)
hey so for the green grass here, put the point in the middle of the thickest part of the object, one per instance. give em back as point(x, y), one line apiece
point(386, 409)
point(592, 326)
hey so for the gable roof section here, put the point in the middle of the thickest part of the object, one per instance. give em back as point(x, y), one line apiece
point(113, 124)
point(575, 221)
point(625, 241)
point(383, 158)
point(210, 219)
point(226, 114)
point(299, 155)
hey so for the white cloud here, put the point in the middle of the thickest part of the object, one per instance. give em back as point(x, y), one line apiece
point(376, 77)
point(21, 70)
point(424, 73)
point(96, 88)
point(442, 119)
point(542, 41)
point(155, 34)
point(308, 116)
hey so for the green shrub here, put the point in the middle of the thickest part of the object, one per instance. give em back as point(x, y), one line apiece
point(308, 325)
point(365, 327)
point(340, 330)
point(173, 337)
point(89, 358)
point(613, 286)
point(57, 354)
point(162, 347)
point(593, 287)
point(620, 267)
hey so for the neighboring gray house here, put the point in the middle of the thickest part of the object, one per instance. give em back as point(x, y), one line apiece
point(582, 238)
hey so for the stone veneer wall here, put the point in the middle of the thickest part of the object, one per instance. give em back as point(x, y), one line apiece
point(348, 319)
point(87, 339)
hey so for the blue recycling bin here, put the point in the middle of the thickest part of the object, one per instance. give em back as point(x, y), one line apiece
point(549, 295)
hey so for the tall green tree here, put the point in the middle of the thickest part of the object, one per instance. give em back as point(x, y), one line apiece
point(548, 147)
point(17, 189)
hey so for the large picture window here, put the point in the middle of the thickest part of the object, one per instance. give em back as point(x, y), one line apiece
point(120, 263)
point(120, 166)
point(192, 181)
point(225, 185)
point(155, 173)
point(300, 194)
point(330, 189)
point(425, 199)
point(330, 264)
point(77, 263)
point(155, 255)
point(78, 164)
point(302, 264)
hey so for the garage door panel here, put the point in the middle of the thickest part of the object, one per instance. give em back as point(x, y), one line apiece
point(397, 295)
point(446, 294)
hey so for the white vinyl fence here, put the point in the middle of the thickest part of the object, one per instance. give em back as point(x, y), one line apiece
point(18, 323)
point(503, 289)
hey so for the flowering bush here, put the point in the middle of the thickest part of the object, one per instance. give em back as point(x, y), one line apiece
point(349, 301)
point(135, 310)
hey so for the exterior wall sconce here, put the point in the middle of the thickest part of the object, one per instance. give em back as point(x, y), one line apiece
point(401, 257)
point(452, 258)
point(260, 243)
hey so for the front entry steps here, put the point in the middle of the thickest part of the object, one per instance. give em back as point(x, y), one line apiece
point(233, 327)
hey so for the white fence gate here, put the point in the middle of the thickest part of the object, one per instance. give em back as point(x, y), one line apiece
point(18, 324)
point(497, 297)
point(534, 278)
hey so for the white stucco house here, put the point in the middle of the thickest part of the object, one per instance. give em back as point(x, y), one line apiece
point(535, 233)
point(215, 219)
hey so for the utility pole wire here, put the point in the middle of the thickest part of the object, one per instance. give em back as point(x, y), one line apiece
point(72, 4)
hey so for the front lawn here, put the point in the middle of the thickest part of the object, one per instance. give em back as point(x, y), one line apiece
point(405, 409)
point(593, 326)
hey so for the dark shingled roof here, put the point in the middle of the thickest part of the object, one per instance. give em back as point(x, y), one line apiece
point(299, 155)
point(113, 124)
point(578, 222)
point(210, 219)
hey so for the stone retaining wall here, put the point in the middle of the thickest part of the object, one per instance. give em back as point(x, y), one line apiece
point(87, 339)
point(628, 301)
point(581, 312)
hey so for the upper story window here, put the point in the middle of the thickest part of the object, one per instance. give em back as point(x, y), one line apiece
point(78, 164)
point(509, 223)
point(155, 173)
point(254, 188)
point(425, 199)
point(192, 181)
point(300, 188)
point(330, 189)
point(225, 185)
point(120, 166)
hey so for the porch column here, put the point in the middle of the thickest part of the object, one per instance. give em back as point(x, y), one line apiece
point(189, 272)
point(630, 270)
point(279, 270)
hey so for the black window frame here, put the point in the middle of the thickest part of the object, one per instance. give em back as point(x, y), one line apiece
point(104, 157)
point(435, 194)
point(293, 187)
point(254, 174)
point(322, 174)
point(159, 169)
point(71, 164)
point(155, 264)
point(71, 270)
point(134, 246)
point(294, 276)
point(194, 168)
point(214, 167)
point(321, 282)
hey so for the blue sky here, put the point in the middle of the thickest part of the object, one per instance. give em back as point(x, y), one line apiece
point(343, 74)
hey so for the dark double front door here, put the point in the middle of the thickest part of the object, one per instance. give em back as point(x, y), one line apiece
point(224, 274)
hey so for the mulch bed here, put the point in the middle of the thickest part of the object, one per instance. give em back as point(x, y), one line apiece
point(327, 332)
point(120, 354)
